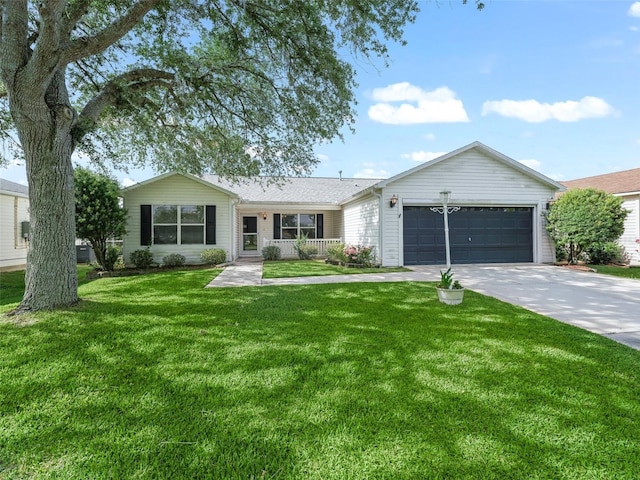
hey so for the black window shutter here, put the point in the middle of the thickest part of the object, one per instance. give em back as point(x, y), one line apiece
point(210, 230)
point(145, 224)
point(320, 225)
point(276, 226)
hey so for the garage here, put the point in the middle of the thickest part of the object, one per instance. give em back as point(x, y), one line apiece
point(477, 235)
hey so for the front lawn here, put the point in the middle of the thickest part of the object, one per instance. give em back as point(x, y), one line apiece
point(12, 284)
point(627, 272)
point(156, 377)
point(312, 268)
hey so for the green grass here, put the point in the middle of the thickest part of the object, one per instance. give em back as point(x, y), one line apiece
point(313, 268)
point(12, 284)
point(627, 272)
point(156, 377)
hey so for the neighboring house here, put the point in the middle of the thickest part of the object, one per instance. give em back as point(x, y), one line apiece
point(500, 217)
point(14, 225)
point(626, 185)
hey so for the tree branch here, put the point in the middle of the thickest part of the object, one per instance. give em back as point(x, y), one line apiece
point(74, 13)
point(139, 80)
point(13, 37)
point(47, 49)
point(86, 47)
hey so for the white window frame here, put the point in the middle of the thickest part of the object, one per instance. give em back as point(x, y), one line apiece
point(178, 224)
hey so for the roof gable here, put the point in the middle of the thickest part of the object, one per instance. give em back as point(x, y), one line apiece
point(185, 175)
point(494, 154)
point(627, 181)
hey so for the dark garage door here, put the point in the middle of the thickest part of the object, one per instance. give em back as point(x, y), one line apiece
point(476, 234)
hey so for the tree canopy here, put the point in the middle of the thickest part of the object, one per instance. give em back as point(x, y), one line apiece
point(583, 218)
point(233, 87)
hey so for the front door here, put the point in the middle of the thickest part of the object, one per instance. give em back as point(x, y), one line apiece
point(250, 234)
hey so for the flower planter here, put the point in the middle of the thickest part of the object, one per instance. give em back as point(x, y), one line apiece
point(450, 296)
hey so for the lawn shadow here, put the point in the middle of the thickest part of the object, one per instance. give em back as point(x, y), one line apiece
point(163, 378)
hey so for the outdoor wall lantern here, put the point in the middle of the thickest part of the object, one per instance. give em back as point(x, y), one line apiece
point(264, 215)
point(445, 210)
point(393, 201)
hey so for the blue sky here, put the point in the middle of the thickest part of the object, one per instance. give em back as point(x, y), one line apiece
point(554, 84)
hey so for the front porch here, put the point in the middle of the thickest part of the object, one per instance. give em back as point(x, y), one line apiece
point(287, 249)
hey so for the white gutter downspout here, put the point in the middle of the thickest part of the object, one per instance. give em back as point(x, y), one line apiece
point(233, 214)
point(380, 236)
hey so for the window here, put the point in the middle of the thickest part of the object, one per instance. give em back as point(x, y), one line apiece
point(192, 224)
point(178, 225)
point(294, 224)
point(165, 224)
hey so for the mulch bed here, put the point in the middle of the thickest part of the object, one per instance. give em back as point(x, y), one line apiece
point(585, 268)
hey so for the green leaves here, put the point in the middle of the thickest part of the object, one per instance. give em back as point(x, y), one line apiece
point(99, 215)
point(585, 217)
point(242, 87)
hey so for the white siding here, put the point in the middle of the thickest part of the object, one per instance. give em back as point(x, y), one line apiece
point(177, 190)
point(14, 209)
point(473, 178)
point(361, 223)
point(632, 228)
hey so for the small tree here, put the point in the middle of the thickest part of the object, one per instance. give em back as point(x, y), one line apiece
point(99, 215)
point(584, 218)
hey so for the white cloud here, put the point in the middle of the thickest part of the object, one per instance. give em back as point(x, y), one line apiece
point(322, 157)
point(429, 136)
point(372, 173)
point(127, 182)
point(422, 156)
point(532, 163)
point(534, 111)
point(634, 10)
point(437, 106)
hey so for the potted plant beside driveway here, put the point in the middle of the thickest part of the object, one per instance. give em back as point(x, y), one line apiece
point(449, 290)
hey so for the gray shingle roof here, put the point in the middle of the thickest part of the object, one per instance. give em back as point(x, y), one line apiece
point(9, 186)
point(295, 189)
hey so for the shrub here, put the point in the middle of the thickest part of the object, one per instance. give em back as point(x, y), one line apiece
point(610, 252)
point(112, 257)
point(359, 255)
point(142, 258)
point(582, 218)
point(173, 260)
point(271, 252)
point(305, 252)
point(214, 256)
point(301, 241)
point(119, 265)
point(335, 252)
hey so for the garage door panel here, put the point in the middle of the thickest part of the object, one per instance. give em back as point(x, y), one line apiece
point(477, 235)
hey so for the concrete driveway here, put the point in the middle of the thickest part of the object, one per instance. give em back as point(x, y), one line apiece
point(599, 303)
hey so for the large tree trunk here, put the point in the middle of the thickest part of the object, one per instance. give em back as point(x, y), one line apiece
point(51, 279)
point(44, 127)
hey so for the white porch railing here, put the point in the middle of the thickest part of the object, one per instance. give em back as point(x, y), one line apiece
point(287, 250)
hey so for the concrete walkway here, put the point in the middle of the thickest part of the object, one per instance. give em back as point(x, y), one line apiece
point(602, 304)
point(244, 272)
